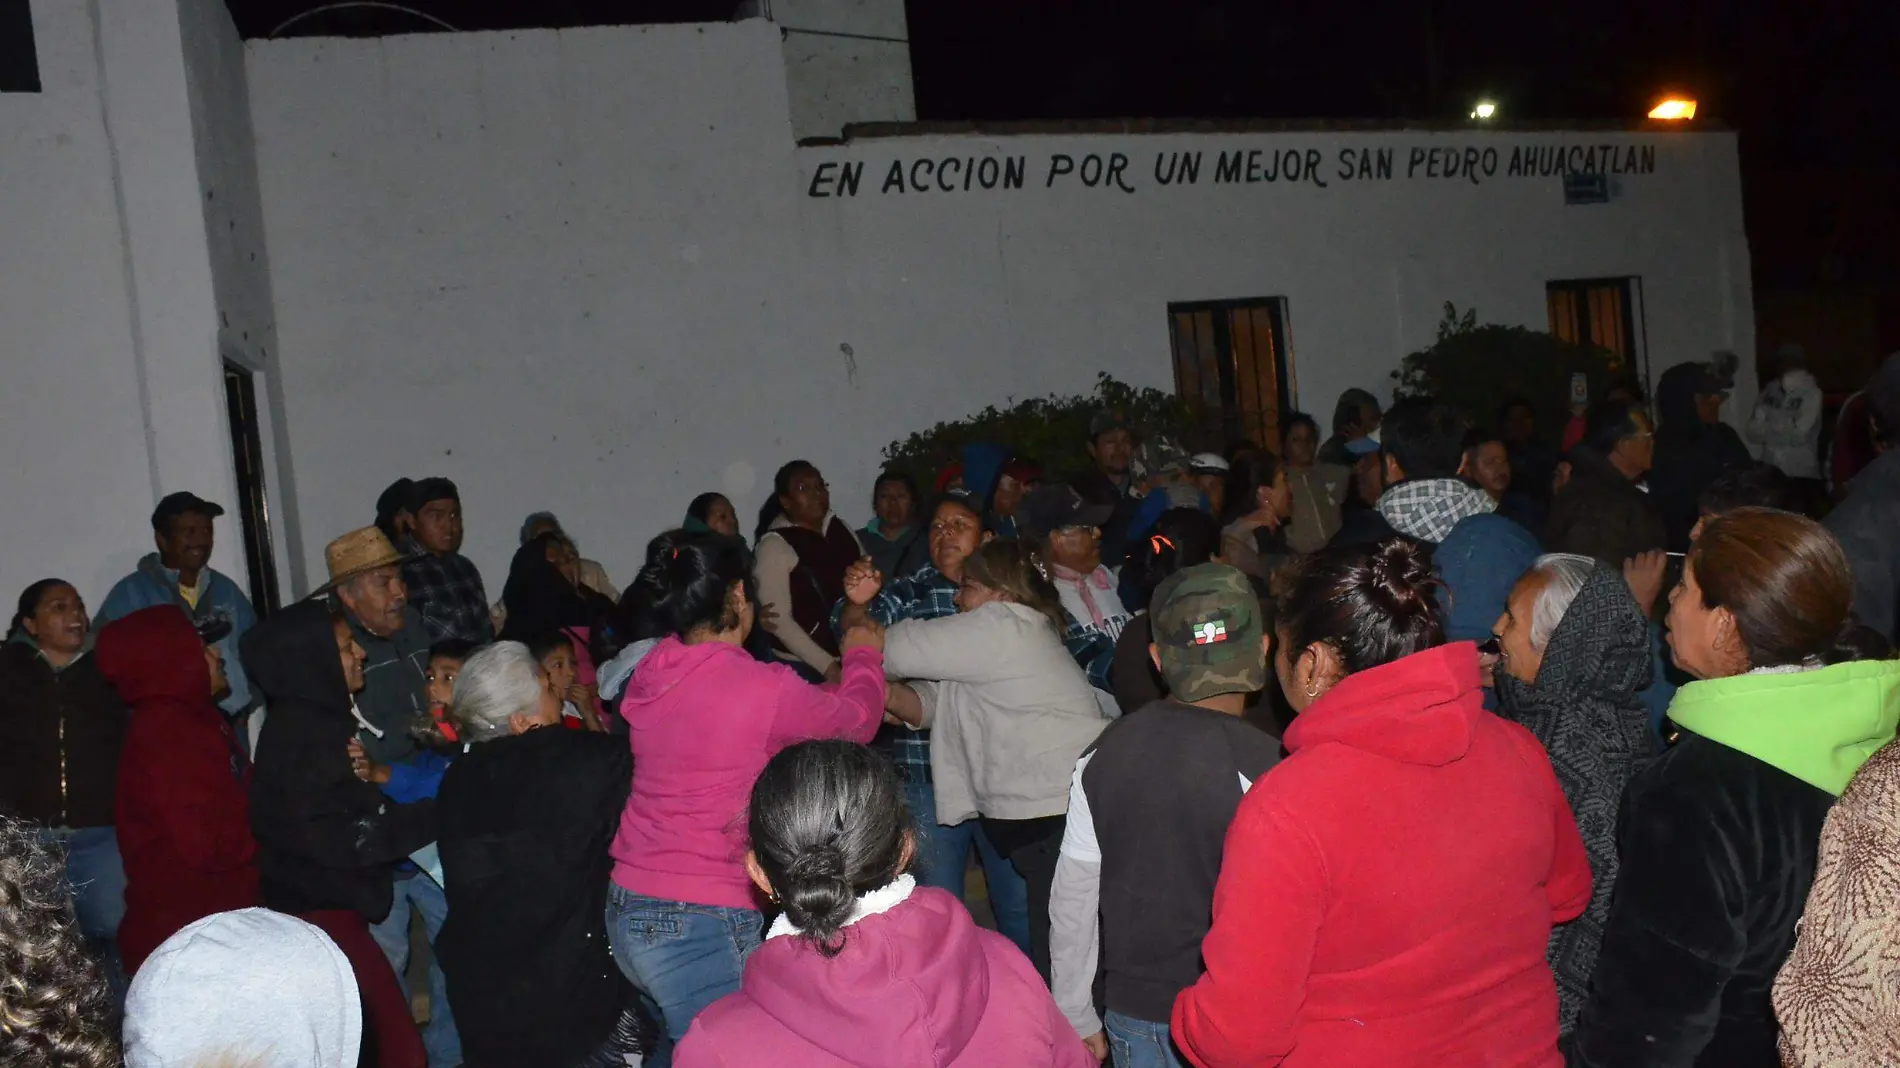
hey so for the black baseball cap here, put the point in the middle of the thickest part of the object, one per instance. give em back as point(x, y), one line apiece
point(177, 504)
point(1050, 508)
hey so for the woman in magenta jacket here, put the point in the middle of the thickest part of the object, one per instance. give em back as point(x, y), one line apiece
point(704, 718)
point(866, 969)
point(1388, 890)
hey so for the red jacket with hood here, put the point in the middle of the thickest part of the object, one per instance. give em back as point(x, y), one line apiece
point(183, 805)
point(920, 986)
point(1389, 888)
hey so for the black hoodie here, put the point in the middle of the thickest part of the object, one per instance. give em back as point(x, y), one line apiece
point(326, 839)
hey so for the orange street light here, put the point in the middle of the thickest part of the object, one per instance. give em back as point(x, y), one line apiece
point(1674, 109)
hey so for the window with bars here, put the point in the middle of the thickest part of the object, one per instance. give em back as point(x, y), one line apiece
point(1595, 311)
point(1230, 361)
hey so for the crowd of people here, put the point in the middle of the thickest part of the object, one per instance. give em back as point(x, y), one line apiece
point(1434, 741)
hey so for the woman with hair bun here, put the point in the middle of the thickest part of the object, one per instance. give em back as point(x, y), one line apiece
point(864, 967)
point(704, 717)
point(1388, 890)
point(1718, 839)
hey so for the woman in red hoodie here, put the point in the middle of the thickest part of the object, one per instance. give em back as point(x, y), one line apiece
point(184, 811)
point(704, 717)
point(864, 968)
point(1388, 890)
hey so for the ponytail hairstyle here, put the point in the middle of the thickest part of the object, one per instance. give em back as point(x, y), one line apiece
point(781, 485)
point(828, 823)
point(1373, 604)
point(1182, 537)
point(684, 585)
point(1788, 584)
point(29, 605)
point(1013, 569)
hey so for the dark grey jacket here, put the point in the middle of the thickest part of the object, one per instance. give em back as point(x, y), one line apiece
point(1866, 524)
point(395, 693)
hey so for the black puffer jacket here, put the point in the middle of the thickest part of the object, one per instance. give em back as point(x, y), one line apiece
point(326, 839)
point(526, 821)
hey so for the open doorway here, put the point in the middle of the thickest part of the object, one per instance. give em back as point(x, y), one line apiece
point(253, 508)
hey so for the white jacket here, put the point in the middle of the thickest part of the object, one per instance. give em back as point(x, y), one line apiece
point(1786, 425)
point(1009, 710)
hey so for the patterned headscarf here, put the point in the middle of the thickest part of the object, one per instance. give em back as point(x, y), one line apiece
point(1584, 708)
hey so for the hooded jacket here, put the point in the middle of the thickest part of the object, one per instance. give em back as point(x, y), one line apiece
point(1584, 709)
point(525, 823)
point(183, 810)
point(152, 583)
point(1478, 554)
point(919, 985)
point(1690, 453)
point(1865, 523)
point(1718, 841)
point(1388, 890)
point(252, 987)
point(1786, 424)
point(326, 839)
point(703, 720)
point(64, 730)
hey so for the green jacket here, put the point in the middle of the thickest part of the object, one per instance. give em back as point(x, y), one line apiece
point(1819, 726)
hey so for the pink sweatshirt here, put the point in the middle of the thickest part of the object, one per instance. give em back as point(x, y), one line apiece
point(705, 718)
point(920, 985)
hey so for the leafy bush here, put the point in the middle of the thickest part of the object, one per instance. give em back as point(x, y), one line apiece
point(1052, 430)
point(1479, 368)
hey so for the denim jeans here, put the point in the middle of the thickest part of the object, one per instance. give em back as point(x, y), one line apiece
point(1136, 1043)
point(682, 957)
point(97, 876)
point(425, 895)
point(943, 851)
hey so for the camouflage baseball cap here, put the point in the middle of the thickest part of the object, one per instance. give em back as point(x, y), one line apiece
point(1208, 627)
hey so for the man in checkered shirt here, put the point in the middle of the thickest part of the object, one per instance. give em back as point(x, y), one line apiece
point(956, 532)
point(443, 584)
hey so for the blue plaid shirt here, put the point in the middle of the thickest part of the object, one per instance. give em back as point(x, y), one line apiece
point(923, 595)
point(447, 590)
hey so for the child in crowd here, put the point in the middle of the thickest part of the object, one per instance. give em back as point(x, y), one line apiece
point(445, 663)
point(554, 651)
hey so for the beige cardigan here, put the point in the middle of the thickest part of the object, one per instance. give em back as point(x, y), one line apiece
point(1009, 710)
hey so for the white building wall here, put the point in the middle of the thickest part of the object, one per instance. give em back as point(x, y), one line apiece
point(114, 396)
point(584, 271)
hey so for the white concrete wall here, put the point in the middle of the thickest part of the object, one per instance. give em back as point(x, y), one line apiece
point(538, 263)
point(114, 393)
point(846, 61)
point(584, 271)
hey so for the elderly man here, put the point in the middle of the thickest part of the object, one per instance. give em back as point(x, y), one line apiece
point(443, 584)
point(366, 583)
point(180, 573)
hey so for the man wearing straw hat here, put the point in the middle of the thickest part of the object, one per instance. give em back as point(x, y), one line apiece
point(366, 583)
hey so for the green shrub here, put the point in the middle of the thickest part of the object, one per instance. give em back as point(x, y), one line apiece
point(1052, 430)
point(1479, 368)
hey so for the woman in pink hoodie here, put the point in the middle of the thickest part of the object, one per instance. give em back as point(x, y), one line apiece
point(864, 967)
point(704, 718)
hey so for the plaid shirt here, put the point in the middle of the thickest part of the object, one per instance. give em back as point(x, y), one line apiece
point(923, 595)
point(447, 590)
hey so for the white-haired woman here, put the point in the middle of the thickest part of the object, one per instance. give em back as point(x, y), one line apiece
point(1575, 652)
point(526, 816)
